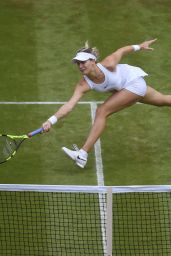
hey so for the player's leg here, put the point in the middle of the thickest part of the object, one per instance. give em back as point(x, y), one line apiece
point(113, 104)
point(153, 97)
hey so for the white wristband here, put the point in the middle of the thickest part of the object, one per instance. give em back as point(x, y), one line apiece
point(136, 47)
point(53, 119)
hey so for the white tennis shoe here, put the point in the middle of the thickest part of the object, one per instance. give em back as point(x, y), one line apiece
point(76, 155)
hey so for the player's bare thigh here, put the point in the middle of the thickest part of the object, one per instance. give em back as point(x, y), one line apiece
point(119, 100)
point(152, 97)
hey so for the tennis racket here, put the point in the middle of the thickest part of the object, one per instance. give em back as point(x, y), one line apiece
point(9, 144)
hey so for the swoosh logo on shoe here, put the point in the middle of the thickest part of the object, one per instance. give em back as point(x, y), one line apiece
point(81, 158)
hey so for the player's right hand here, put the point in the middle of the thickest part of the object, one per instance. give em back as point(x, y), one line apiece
point(47, 126)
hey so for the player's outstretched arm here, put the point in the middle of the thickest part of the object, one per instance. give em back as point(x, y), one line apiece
point(64, 110)
point(112, 60)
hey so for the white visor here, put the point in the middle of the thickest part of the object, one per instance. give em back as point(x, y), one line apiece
point(83, 56)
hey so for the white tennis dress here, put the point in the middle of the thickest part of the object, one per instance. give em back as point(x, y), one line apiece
point(123, 77)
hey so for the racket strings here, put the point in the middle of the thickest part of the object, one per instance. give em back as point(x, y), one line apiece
point(7, 147)
point(9, 144)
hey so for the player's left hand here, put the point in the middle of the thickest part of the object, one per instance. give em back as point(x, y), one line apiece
point(146, 45)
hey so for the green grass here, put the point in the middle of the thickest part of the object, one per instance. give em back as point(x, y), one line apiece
point(38, 41)
point(40, 160)
point(140, 152)
point(50, 224)
point(58, 223)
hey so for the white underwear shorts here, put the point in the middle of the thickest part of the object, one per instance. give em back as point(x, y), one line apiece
point(137, 86)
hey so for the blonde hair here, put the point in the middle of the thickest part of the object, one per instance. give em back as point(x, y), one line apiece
point(88, 49)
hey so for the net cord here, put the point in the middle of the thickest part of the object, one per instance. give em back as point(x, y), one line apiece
point(87, 189)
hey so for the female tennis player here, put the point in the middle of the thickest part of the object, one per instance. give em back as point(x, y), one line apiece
point(125, 83)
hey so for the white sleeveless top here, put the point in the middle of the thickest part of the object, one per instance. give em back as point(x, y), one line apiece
point(117, 79)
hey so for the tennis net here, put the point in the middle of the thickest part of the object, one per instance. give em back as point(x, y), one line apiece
point(85, 220)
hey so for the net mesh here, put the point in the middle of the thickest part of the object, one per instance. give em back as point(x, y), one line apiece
point(74, 223)
point(142, 224)
point(34, 223)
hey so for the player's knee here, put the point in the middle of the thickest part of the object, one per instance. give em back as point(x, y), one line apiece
point(163, 101)
point(161, 104)
point(101, 111)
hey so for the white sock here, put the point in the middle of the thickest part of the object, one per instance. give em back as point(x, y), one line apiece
point(83, 153)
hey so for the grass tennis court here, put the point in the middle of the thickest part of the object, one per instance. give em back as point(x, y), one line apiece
point(70, 221)
point(137, 156)
point(38, 40)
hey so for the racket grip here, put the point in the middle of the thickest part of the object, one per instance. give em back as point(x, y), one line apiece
point(31, 134)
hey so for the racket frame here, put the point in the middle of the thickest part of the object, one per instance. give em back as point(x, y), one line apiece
point(22, 137)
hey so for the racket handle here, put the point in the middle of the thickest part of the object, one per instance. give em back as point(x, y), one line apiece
point(31, 134)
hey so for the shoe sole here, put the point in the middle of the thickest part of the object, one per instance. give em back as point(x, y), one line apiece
point(81, 166)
